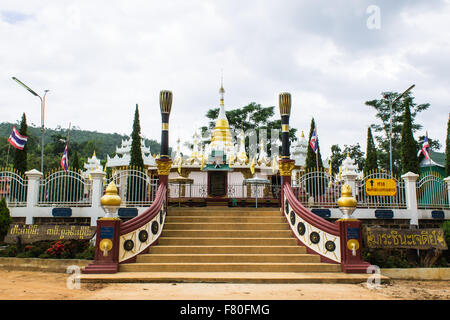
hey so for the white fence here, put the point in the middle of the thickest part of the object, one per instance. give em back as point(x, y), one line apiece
point(432, 192)
point(136, 188)
point(13, 187)
point(65, 188)
point(397, 201)
point(317, 189)
point(237, 191)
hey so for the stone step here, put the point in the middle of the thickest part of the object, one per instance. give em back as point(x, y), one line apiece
point(165, 249)
point(227, 233)
point(229, 258)
point(228, 213)
point(230, 267)
point(225, 226)
point(225, 219)
point(228, 277)
point(185, 241)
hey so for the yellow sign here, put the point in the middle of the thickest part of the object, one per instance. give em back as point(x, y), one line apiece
point(381, 187)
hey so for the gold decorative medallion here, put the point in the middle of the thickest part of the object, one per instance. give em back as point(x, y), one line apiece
point(286, 167)
point(163, 166)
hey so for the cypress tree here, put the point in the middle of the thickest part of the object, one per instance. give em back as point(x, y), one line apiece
point(371, 162)
point(447, 149)
point(76, 161)
point(409, 160)
point(317, 186)
point(20, 156)
point(310, 162)
point(136, 187)
point(136, 152)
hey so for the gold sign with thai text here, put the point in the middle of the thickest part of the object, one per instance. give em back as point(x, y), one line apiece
point(381, 187)
point(30, 233)
point(377, 237)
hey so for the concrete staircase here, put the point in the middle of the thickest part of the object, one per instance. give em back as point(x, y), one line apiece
point(221, 244)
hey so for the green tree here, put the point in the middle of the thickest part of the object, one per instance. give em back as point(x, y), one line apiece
point(5, 219)
point(311, 162)
point(76, 161)
point(317, 185)
point(354, 152)
point(135, 185)
point(409, 160)
point(336, 158)
point(20, 156)
point(136, 152)
point(250, 117)
point(382, 108)
point(371, 162)
point(447, 149)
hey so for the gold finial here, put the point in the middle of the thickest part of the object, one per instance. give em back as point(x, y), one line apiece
point(302, 135)
point(111, 197)
point(346, 200)
point(165, 101)
point(284, 101)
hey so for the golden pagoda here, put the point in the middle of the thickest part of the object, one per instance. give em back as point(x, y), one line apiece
point(221, 136)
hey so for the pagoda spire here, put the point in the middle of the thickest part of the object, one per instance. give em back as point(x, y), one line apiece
point(221, 136)
point(222, 100)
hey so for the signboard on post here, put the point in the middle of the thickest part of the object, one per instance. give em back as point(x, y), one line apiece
point(381, 187)
point(29, 233)
point(376, 237)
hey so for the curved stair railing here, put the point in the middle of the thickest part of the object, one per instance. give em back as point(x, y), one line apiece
point(338, 242)
point(315, 233)
point(139, 233)
point(120, 242)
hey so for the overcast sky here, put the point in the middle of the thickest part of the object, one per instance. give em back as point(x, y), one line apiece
point(100, 58)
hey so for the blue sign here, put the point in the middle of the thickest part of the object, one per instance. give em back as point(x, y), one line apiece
point(437, 214)
point(352, 233)
point(323, 213)
point(61, 212)
point(106, 232)
point(128, 212)
point(384, 214)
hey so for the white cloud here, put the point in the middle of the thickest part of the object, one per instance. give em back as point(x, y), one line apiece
point(101, 58)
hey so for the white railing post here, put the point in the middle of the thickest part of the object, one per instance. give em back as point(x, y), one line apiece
point(32, 193)
point(448, 188)
point(349, 174)
point(411, 196)
point(97, 187)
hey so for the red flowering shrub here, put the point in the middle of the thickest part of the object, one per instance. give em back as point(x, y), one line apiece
point(58, 250)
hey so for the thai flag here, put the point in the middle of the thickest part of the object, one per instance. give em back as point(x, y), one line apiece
point(65, 160)
point(425, 147)
point(313, 143)
point(17, 140)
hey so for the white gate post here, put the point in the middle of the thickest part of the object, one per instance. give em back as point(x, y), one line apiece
point(411, 196)
point(32, 193)
point(97, 187)
point(349, 174)
point(448, 188)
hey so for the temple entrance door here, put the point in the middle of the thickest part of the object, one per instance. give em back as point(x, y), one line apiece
point(217, 183)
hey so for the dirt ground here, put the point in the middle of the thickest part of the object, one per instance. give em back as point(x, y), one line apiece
point(24, 285)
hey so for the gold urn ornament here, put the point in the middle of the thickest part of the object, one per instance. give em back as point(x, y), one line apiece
point(111, 200)
point(346, 203)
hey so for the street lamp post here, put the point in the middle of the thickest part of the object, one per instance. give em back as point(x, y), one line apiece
point(42, 116)
point(390, 124)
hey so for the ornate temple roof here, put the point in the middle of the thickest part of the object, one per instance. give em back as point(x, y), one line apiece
point(122, 157)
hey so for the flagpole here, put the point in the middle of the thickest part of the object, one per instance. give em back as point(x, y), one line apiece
point(317, 150)
point(317, 158)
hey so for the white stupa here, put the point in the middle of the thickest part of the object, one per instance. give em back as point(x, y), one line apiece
point(122, 157)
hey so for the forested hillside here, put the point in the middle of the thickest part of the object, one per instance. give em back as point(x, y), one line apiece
point(82, 141)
